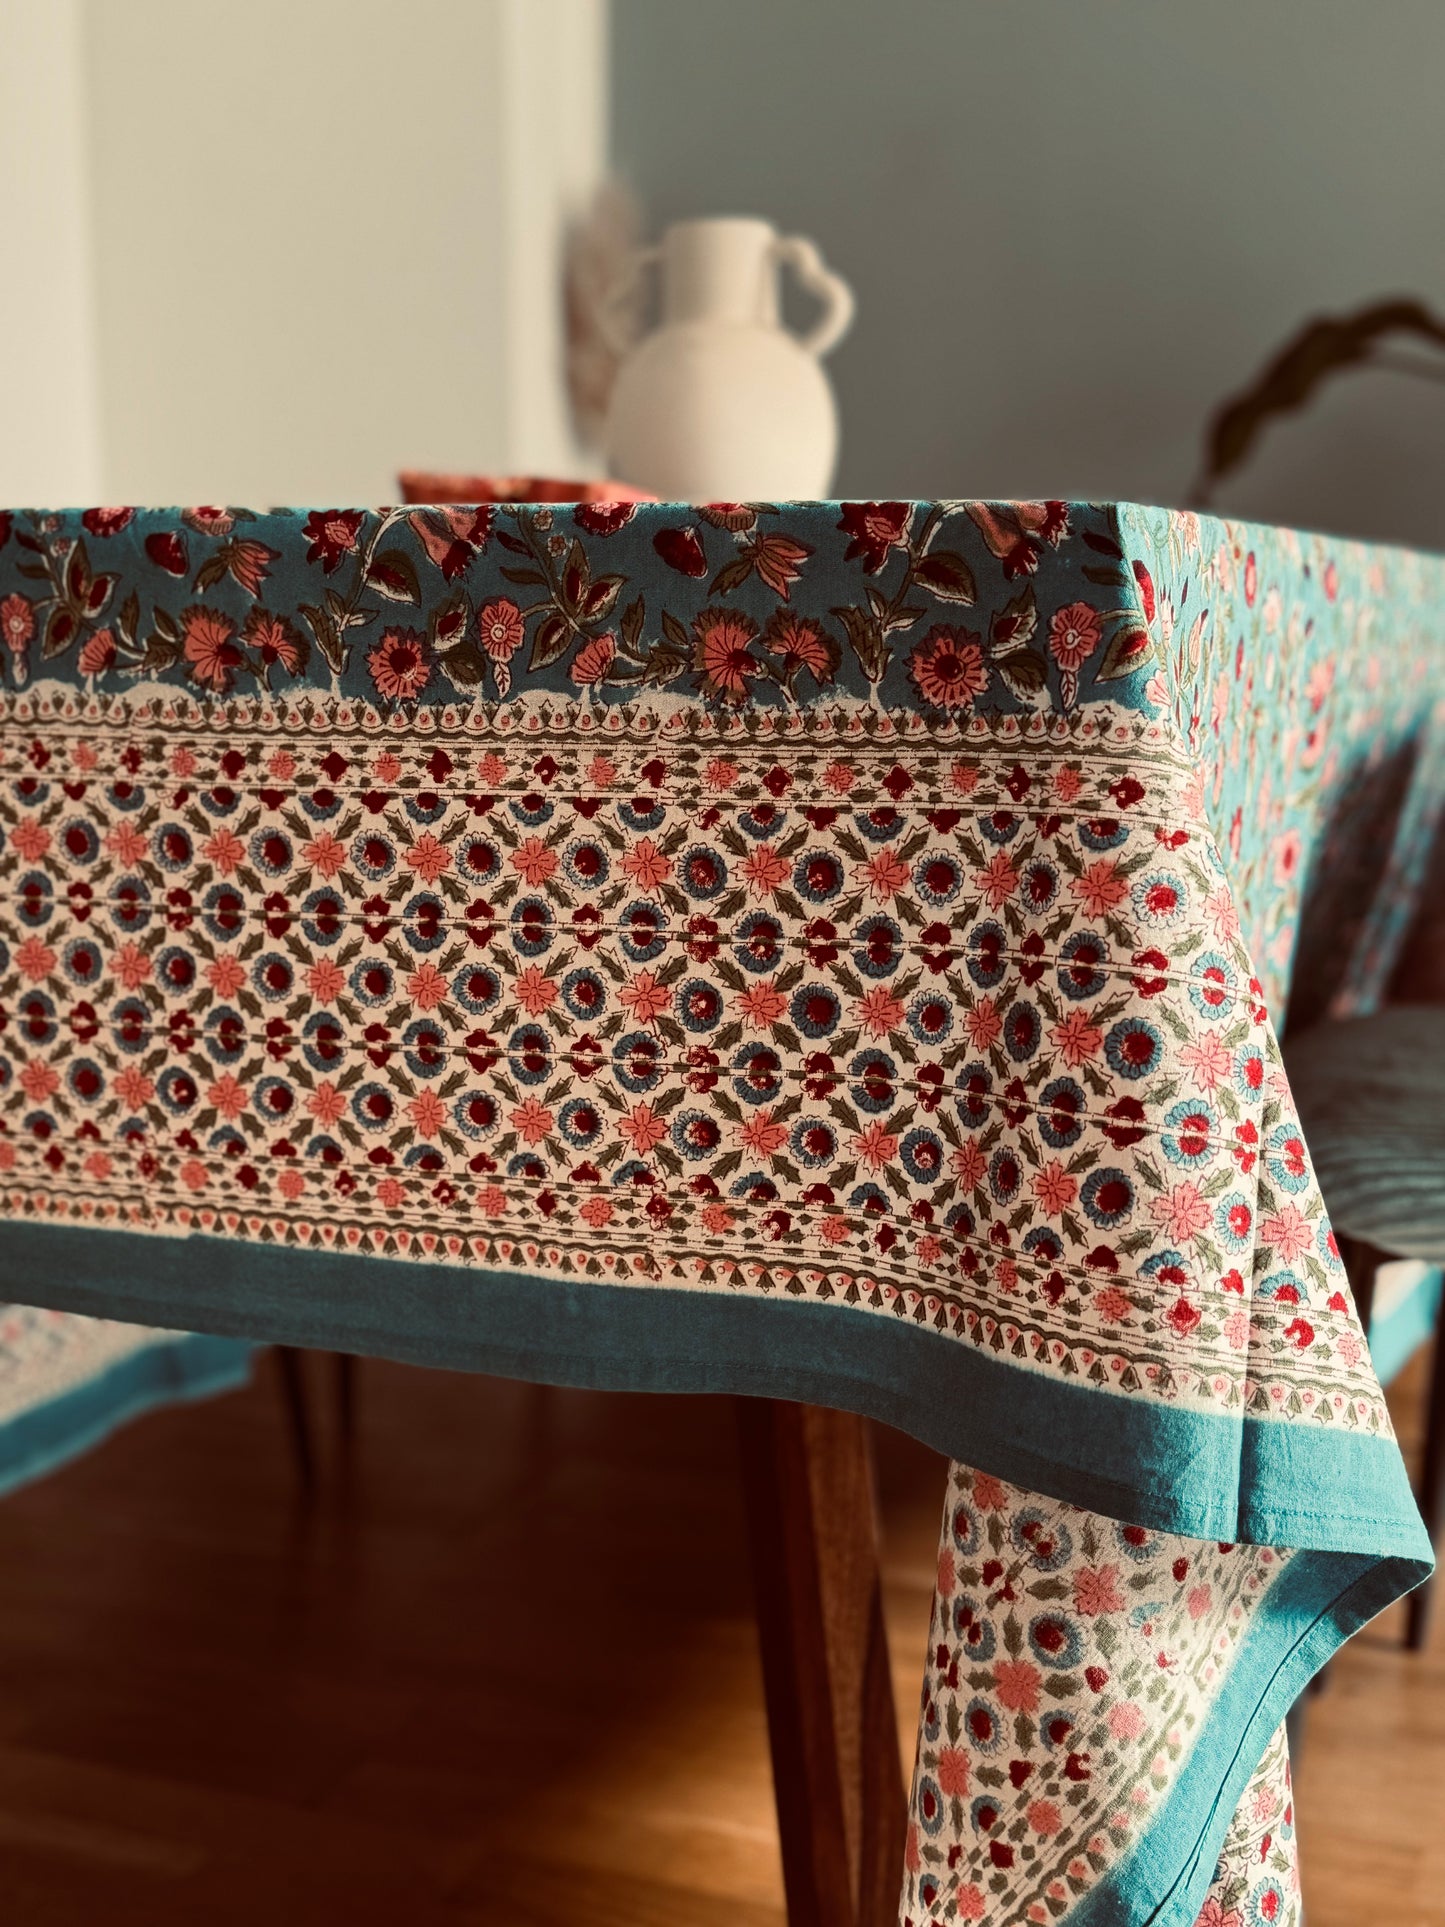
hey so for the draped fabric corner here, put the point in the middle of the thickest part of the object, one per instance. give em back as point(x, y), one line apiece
point(831, 951)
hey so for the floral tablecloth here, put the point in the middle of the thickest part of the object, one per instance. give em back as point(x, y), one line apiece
point(826, 951)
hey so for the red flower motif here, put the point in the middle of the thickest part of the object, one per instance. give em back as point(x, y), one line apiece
point(275, 640)
point(399, 665)
point(680, 549)
point(801, 645)
point(603, 518)
point(166, 549)
point(106, 521)
point(1074, 634)
point(97, 653)
point(500, 628)
point(209, 521)
point(332, 534)
point(210, 649)
point(947, 668)
point(873, 529)
point(595, 658)
point(17, 622)
point(720, 651)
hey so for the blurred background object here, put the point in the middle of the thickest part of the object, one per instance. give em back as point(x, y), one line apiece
point(721, 402)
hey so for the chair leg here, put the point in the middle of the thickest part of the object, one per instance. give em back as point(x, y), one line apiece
point(837, 1774)
point(298, 1415)
point(1432, 1491)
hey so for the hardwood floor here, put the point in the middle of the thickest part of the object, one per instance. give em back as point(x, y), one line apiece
point(506, 1674)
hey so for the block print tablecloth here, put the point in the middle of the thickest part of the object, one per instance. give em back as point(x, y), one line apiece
point(823, 951)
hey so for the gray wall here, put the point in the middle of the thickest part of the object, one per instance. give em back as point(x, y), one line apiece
point(1074, 225)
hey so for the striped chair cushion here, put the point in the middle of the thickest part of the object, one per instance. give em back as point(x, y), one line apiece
point(1371, 1098)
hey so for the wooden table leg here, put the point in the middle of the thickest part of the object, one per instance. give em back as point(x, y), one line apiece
point(837, 1775)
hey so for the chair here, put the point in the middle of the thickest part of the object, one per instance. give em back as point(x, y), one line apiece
point(1371, 1098)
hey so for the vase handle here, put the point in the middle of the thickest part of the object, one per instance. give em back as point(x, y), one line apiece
point(614, 313)
point(828, 288)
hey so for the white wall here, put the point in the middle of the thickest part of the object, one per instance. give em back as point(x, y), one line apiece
point(49, 450)
point(276, 250)
point(1073, 225)
point(326, 235)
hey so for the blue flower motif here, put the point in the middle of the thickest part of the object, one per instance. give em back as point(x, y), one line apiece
point(814, 1142)
point(816, 1010)
point(1213, 987)
point(878, 946)
point(1000, 826)
point(984, 1726)
point(1081, 973)
point(967, 1530)
point(1234, 1221)
point(758, 944)
point(1103, 833)
point(1005, 1175)
point(373, 856)
point(1160, 898)
point(974, 1630)
point(699, 1005)
point(637, 1062)
point(580, 1122)
point(584, 994)
point(1107, 1197)
point(818, 876)
point(928, 1804)
point(1022, 1031)
point(702, 872)
point(975, 1091)
point(875, 1081)
point(323, 917)
point(1190, 1136)
point(757, 1074)
point(476, 1113)
point(1286, 1159)
point(696, 1134)
point(937, 877)
point(988, 954)
point(1062, 1105)
point(477, 988)
point(372, 981)
point(1134, 1048)
point(1056, 1640)
point(532, 922)
point(921, 1153)
point(1042, 1537)
point(930, 1017)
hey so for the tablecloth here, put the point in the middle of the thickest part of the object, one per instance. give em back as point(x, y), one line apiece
point(817, 950)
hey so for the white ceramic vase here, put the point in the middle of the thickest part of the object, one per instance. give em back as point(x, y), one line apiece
point(721, 403)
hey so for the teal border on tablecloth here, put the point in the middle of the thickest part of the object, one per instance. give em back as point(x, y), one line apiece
point(1319, 1601)
point(49, 1435)
point(1303, 1485)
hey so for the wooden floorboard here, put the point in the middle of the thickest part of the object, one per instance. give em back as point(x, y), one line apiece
point(504, 1671)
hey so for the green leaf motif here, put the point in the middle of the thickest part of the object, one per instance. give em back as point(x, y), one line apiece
point(947, 574)
point(550, 641)
point(1129, 648)
point(392, 574)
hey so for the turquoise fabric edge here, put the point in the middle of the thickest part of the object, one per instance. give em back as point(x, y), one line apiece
point(1319, 1602)
point(48, 1436)
point(1395, 1338)
point(1300, 1481)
